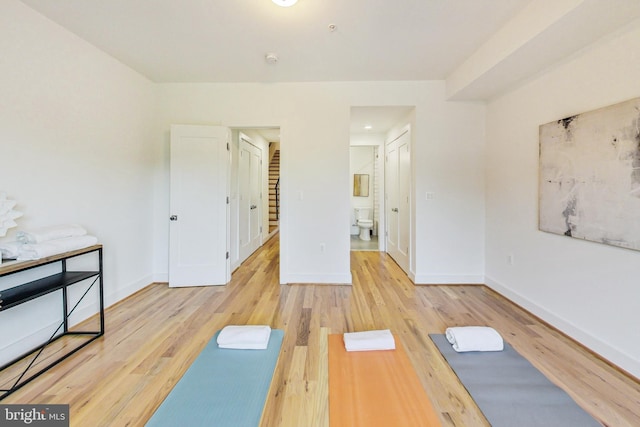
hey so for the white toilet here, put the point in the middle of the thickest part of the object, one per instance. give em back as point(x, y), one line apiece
point(364, 223)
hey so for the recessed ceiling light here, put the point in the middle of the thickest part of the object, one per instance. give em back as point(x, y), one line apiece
point(285, 3)
point(368, 127)
point(271, 58)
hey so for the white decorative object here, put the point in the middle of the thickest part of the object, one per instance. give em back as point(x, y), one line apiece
point(7, 215)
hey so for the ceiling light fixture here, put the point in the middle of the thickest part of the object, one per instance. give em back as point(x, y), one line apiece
point(285, 3)
point(271, 58)
point(368, 127)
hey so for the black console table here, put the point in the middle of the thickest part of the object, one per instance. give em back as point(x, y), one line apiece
point(30, 365)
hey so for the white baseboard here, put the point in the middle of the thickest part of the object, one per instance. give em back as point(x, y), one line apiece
point(41, 333)
point(329, 279)
point(160, 278)
point(28, 342)
point(112, 297)
point(435, 279)
point(601, 348)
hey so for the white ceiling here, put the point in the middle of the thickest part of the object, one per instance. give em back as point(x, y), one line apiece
point(502, 42)
point(380, 119)
point(227, 40)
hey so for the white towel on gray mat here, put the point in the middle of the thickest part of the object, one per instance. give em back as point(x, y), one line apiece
point(244, 337)
point(474, 338)
point(369, 340)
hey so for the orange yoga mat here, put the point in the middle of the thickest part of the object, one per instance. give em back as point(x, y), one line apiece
point(375, 388)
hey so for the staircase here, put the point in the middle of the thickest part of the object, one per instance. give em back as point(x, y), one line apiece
point(274, 191)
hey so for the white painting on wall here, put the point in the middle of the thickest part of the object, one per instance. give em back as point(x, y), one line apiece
point(590, 175)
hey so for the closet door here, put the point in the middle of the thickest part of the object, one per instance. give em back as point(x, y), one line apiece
point(397, 198)
point(199, 209)
point(250, 195)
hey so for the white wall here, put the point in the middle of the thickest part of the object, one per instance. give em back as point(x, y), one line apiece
point(75, 145)
point(448, 162)
point(588, 290)
point(314, 121)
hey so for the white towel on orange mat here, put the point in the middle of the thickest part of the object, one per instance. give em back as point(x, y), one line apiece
point(369, 340)
point(474, 338)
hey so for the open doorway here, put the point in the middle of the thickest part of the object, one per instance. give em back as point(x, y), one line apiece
point(254, 202)
point(374, 142)
point(365, 172)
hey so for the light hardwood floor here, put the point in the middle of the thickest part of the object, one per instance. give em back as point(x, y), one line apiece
point(153, 336)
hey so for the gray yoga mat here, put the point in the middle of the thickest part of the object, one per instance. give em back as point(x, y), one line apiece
point(510, 391)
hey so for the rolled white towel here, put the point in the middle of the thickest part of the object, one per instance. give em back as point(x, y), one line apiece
point(45, 234)
point(369, 340)
point(244, 337)
point(474, 338)
point(30, 251)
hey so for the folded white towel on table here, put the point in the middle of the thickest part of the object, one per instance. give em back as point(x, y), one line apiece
point(9, 250)
point(30, 251)
point(244, 337)
point(474, 338)
point(45, 234)
point(369, 340)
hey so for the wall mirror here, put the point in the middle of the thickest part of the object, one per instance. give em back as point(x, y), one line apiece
point(361, 185)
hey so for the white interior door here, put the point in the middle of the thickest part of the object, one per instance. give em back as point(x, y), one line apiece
point(199, 209)
point(397, 198)
point(391, 198)
point(250, 198)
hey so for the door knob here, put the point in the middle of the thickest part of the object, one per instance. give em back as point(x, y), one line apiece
point(253, 206)
point(173, 218)
point(394, 209)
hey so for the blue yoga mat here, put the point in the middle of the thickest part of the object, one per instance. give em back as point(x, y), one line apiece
point(223, 387)
point(510, 391)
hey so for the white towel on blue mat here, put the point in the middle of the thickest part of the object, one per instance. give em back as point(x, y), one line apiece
point(244, 337)
point(369, 340)
point(474, 338)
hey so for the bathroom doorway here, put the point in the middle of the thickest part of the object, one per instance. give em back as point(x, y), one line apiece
point(371, 129)
point(365, 206)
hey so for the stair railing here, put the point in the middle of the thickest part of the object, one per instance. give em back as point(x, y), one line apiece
point(278, 199)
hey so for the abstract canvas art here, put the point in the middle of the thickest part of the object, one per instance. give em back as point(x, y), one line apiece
point(590, 175)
